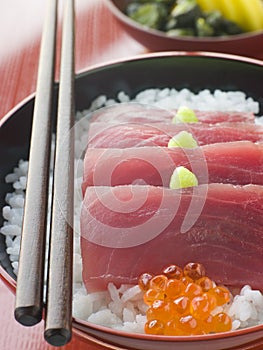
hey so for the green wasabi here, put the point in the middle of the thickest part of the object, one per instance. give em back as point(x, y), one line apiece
point(182, 178)
point(183, 139)
point(185, 115)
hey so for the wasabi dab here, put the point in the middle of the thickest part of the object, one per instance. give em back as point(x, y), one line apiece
point(185, 115)
point(182, 178)
point(183, 139)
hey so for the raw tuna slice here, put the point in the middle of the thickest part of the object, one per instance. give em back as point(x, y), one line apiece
point(239, 162)
point(140, 113)
point(128, 230)
point(103, 135)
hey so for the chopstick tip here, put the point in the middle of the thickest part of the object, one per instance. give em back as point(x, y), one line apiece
point(28, 315)
point(57, 337)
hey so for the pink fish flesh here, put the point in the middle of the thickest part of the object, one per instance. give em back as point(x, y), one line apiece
point(105, 135)
point(128, 230)
point(141, 113)
point(239, 162)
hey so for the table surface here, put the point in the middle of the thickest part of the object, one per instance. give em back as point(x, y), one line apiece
point(20, 27)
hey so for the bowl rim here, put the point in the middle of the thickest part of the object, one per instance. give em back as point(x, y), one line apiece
point(11, 283)
point(172, 53)
point(162, 35)
point(192, 338)
point(13, 110)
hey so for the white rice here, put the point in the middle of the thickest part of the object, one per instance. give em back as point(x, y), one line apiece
point(123, 308)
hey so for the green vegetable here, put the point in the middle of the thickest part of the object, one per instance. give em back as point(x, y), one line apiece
point(182, 178)
point(181, 32)
point(221, 25)
point(132, 8)
point(185, 12)
point(185, 115)
point(183, 139)
point(180, 18)
point(203, 28)
point(214, 19)
point(230, 28)
point(150, 14)
point(163, 2)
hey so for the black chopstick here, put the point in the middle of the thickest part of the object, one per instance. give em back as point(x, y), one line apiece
point(59, 289)
point(29, 291)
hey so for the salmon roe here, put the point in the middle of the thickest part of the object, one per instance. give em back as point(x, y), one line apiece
point(183, 301)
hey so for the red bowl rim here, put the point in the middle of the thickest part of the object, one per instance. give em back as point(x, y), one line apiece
point(163, 54)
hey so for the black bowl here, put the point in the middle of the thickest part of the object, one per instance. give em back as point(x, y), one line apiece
point(195, 71)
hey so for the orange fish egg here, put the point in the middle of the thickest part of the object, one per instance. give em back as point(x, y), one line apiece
point(193, 290)
point(171, 328)
point(160, 310)
point(200, 307)
point(173, 271)
point(174, 288)
point(155, 327)
point(211, 299)
point(221, 294)
point(186, 280)
point(158, 282)
point(182, 305)
point(188, 325)
point(144, 281)
point(222, 322)
point(194, 270)
point(151, 295)
point(205, 283)
point(181, 302)
point(207, 324)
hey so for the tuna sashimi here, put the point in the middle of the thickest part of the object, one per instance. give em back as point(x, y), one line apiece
point(140, 113)
point(103, 135)
point(128, 230)
point(239, 162)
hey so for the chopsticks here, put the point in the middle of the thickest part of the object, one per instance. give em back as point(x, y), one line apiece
point(29, 292)
point(30, 279)
point(59, 290)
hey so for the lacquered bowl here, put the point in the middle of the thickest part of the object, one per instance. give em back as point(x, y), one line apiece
point(175, 69)
point(247, 44)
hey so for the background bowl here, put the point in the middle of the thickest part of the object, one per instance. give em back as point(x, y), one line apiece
point(180, 70)
point(247, 44)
